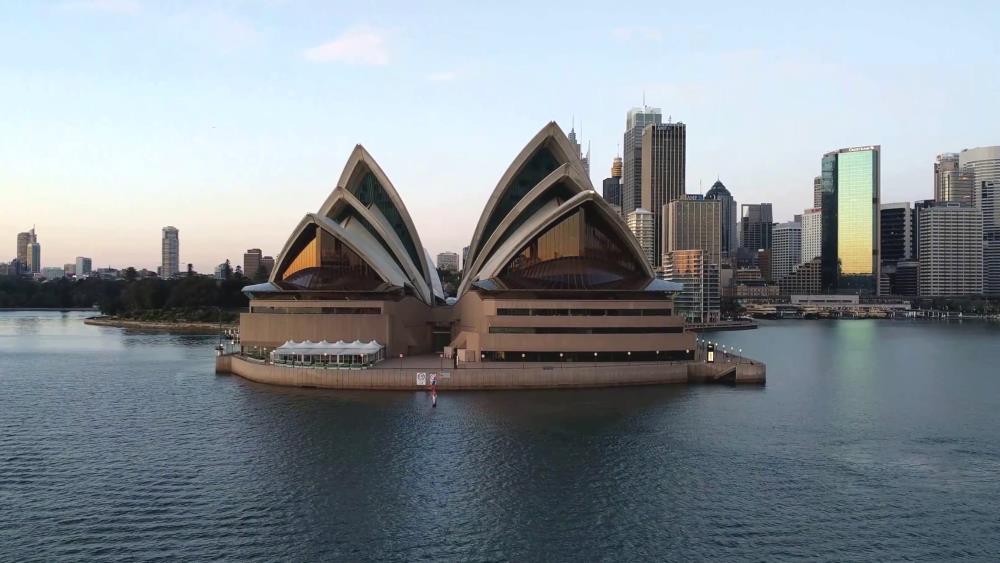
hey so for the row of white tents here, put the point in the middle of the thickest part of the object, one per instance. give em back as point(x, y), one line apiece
point(338, 352)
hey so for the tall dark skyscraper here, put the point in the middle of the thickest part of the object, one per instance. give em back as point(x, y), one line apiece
point(612, 189)
point(663, 165)
point(756, 226)
point(730, 239)
point(636, 120)
point(851, 179)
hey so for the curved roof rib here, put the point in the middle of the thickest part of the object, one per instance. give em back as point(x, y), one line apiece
point(546, 151)
point(364, 246)
point(344, 208)
point(369, 191)
point(541, 221)
point(564, 182)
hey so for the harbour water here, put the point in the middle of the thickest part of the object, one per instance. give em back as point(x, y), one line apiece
point(872, 440)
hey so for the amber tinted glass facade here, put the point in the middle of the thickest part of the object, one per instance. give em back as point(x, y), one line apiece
point(856, 237)
point(581, 251)
point(323, 262)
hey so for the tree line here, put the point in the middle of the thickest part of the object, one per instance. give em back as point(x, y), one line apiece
point(188, 298)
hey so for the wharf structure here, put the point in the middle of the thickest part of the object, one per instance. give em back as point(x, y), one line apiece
point(555, 292)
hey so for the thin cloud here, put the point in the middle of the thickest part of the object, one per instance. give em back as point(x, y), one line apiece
point(361, 45)
point(443, 76)
point(636, 34)
point(106, 6)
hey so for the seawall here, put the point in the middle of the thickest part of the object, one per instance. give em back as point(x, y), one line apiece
point(496, 375)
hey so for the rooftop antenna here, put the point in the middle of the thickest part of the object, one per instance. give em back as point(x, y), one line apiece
point(643, 98)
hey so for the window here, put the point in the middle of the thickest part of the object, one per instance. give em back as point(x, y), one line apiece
point(370, 192)
point(323, 262)
point(581, 251)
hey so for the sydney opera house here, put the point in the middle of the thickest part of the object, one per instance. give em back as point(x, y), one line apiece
point(552, 275)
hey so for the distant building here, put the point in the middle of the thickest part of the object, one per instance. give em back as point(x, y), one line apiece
point(640, 222)
point(756, 223)
point(465, 258)
point(635, 122)
point(851, 198)
point(906, 280)
point(69, 270)
point(83, 266)
point(895, 242)
point(663, 168)
point(170, 247)
point(729, 238)
point(989, 204)
point(251, 262)
point(699, 301)
point(51, 273)
point(818, 192)
point(951, 250)
point(220, 271)
point(950, 183)
point(805, 279)
point(812, 234)
point(24, 240)
point(612, 186)
point(786, 252)
point(765, 265)
point(268, 263)
point(584, 158)
point(692, 223)
point(447, 261)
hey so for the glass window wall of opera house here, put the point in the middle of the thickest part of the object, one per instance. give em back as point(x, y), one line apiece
point(552, 274)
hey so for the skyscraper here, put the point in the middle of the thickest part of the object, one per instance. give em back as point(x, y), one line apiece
point(83, 266)
point(612, 188)
point(447, 261)
point(170, 247)
point(729, 237)
point(786, 252)
point(817, 192)
point(950, 184)
point(635, 122)
point(756, 224)
point(584, 158)
point(982, 165)
point(951, 250)
point(851, 180)
point(692, 223)
point(23, 241)
point(895, 232)
point(268, 263)
point(640, 222)
point(663, 166)
point(812, 234)
point(251, 262)
point(33, 263)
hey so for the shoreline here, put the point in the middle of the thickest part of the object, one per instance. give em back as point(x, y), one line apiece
point(192, 327)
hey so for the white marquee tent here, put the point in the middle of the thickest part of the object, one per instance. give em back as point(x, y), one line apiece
point(323, 352)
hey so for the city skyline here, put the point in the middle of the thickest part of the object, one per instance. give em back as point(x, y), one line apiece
point(170, 128)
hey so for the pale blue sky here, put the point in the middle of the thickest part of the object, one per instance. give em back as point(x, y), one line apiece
point(230, 120)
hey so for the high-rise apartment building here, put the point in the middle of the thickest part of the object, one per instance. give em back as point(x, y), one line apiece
point(756, 224)
point(251, 262)
point(640, 222)
point(635, 122)
point(730, 238)
point(982, 165)
point(23, 242)
point(951, 250)
point(699, 301)
point(812, 234)
point(170, 247)
point(447, 261)
point(851, 198)
point(817, 192)
point(83, 266)
point(786, 250)
point(804, 280)
point(612, 186)
point(663, 165)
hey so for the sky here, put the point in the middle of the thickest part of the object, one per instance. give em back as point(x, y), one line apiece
point(232, 119)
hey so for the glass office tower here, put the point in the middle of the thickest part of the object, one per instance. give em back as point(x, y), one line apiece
point(850, 242)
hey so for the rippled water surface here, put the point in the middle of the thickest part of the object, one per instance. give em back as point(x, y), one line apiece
point(872, 440)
